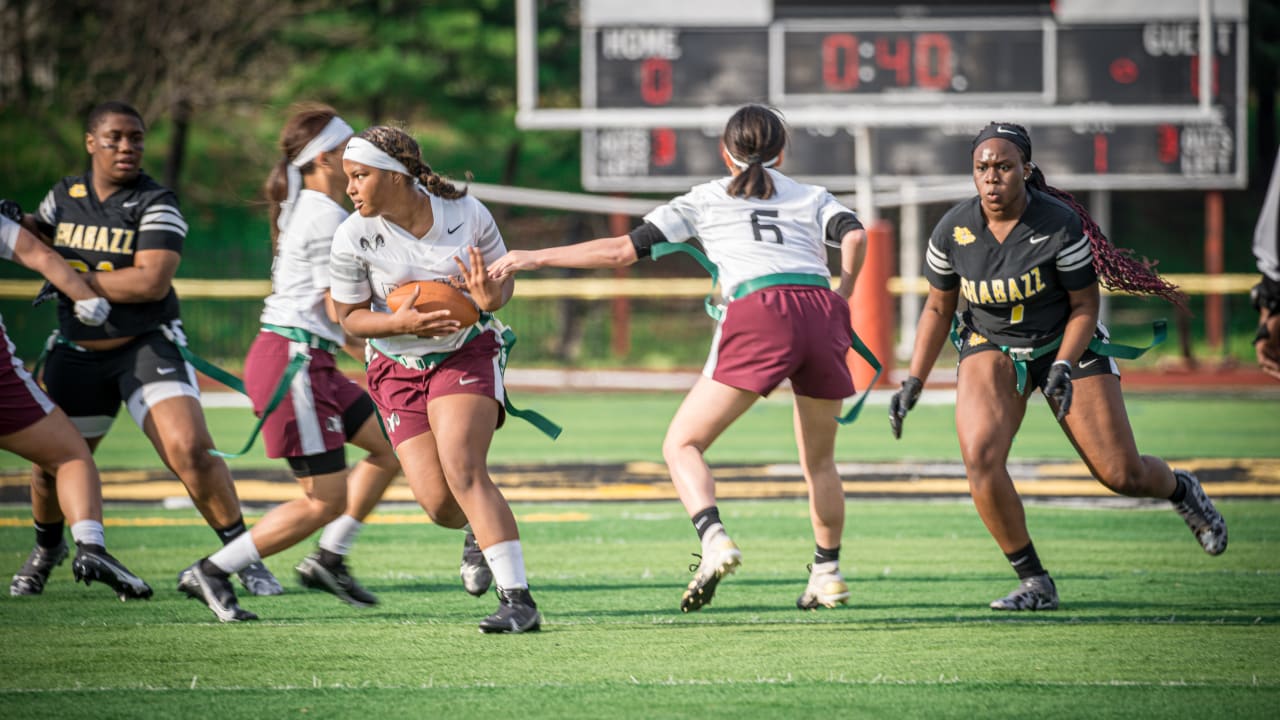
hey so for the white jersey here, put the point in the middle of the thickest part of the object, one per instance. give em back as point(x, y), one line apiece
point(371, 257)
point(8, 238)
point(300, 270)
point(747, 238)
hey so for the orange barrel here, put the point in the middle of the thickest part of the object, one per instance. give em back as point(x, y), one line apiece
point(872, 306)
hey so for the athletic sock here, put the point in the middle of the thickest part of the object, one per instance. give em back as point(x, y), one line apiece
point(49, 534)
point(232, 531)
point(823, 555)
point(1025, 562)
point(340, 535)
point(705, 520)
point(89, 532)
point(236, 555)
point(1180, 489)
point(506, 560)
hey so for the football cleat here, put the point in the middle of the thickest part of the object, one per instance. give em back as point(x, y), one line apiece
point(516, 613)
point(258, 580)
point(721, 557)
point(34, 574)
point(826, 588)
point(1034, 593)
point(1201, 516)
point(475, 572)
point(91, 564)
point(214, 591)
point(336, 580)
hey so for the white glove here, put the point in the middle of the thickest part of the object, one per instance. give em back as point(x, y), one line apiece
point(93, 312)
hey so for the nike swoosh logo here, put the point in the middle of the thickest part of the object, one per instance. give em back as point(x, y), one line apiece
point(468, 381)
point(166, 371)
point(454, 228)
point(1037, 239)
point(1006, 131)
point(131, 203)
point(1086, 363)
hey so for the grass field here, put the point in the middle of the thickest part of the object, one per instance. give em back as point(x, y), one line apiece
point(1149, 627)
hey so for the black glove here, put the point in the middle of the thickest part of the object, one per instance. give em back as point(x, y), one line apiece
point(902, 402)
point(11, 210)
point(1058, 386)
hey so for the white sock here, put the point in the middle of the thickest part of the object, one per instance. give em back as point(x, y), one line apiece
point(88, 532)
point(506, 560)
point(340, 535)
point(237, 554)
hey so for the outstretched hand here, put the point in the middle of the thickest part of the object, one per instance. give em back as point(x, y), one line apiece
point(511, 263)
point(902, 402)
point(484, 287)
point(1058, 386)
point(409, 321)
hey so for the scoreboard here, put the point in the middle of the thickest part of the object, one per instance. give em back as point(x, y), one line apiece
point(931, 64)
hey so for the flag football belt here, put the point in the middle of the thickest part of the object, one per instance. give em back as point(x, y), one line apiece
point(716, 311)
point(1022, 356)
point(304, 336)
point(506, 341)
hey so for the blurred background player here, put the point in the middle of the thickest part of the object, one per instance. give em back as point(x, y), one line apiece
point(1027, 259)
point(323, 409)
point(32, 427)
point(1266, 294)
point(766, 235)
point(437, 384)
point(124, 232)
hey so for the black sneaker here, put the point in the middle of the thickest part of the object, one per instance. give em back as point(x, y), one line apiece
point(214, 591)
point(94, 564)
point(1034, 593)
point(258, 580)
point(34, 574)
point(516, 613)
point(474, 570)
point(334, 579)
point(1201, 516)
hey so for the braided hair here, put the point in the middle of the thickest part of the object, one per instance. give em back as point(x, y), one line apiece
point(1117, 268)
point(400, 145)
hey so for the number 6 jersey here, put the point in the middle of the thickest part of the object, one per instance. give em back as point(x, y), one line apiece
point(1016, 290)
point(103, 236)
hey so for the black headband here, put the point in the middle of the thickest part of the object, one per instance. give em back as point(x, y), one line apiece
point(1012, 133)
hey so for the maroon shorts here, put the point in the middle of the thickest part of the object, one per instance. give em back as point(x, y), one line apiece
point(790, 332)
point(402, 393)
point(309, 420)
point(22, 402)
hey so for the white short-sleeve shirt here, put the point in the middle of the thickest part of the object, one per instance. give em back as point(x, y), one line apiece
point(371, 257)
point(300, 270)
point(748, 238)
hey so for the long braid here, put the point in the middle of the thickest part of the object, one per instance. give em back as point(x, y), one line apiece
point(1117, 268)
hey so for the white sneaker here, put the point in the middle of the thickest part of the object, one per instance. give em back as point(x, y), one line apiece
point(826, 588)
point(1201, 516)
point(1034, 593)
point(720, 557)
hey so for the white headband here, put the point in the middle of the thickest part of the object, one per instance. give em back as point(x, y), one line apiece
point(767, 163)
point(366, 153)
point(329, 138)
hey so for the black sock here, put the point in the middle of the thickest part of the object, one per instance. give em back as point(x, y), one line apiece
point(208, 568)
point(823, 555)
point(1180, 491)
point(232, 531)
point(705, 518)
point(1025, 562)
point(49, 534)
point(330, 559)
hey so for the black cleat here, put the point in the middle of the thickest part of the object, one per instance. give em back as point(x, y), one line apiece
point(1201, 516)
point(335, 579)
point(214, 591)
point(474, 570)
point(92, 564)
point(34, 574)
point(516, 613)
point(258, 580)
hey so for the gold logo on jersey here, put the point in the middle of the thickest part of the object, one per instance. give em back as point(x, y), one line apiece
point(963, 235)
point(77, 191)
point(975, 339)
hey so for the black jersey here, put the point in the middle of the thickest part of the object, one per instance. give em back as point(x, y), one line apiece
point(103, 236)
point(1016, 290)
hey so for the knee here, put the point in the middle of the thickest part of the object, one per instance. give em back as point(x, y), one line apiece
point(445, 513)
point(190, 456)
point(465, 474)
point(1125, 477)
point(675, 445)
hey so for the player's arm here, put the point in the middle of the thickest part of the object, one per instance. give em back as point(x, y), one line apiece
point(33, 254)
point(360, 320)
point(932, 329)
point(610, 252)
point(853, 252)
point(149, 279)
point(1081, 323)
